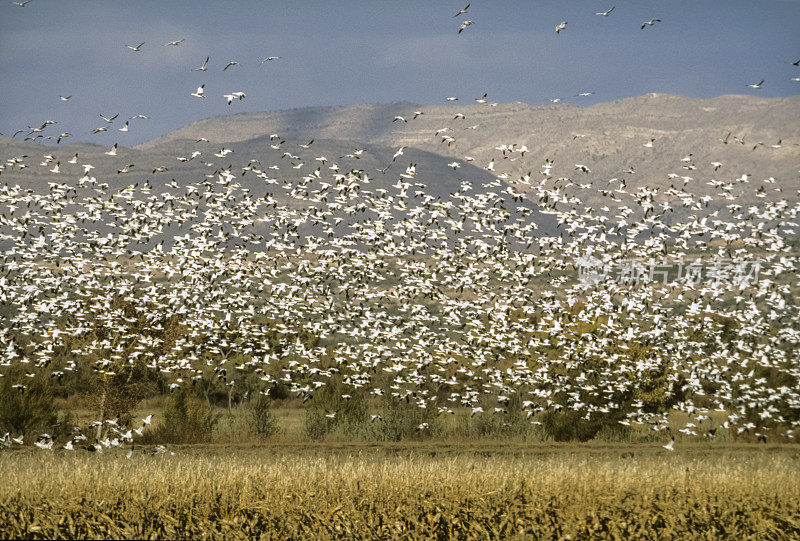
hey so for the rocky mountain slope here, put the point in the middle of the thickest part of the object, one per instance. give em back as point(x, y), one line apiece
point(654, 140)
point(608, 138)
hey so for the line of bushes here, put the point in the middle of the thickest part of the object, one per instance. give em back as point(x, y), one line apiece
point(331, 413)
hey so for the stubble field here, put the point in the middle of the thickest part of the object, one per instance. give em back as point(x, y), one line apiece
point(405, 490)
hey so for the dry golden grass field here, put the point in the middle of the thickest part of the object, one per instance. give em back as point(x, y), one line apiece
point(406, 490)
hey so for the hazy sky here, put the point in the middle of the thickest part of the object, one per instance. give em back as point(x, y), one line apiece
point(336, 53)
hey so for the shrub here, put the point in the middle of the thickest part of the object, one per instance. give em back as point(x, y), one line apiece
point(513, 422)
point(28, 410)
point(615, 432)
point(186, 420)
point(317, 425)
point(262, 419)
point(338, 407)
point(401, 420)
point(568, 426)
point(572, 425)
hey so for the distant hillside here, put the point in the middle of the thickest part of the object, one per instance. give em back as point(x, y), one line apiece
point(608, 138)
point(365, 122)
point(659, 113)
point(759, 137)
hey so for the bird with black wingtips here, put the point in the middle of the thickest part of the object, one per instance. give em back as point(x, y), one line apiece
point(651, 22)
point(204, 67)
point(462, 11)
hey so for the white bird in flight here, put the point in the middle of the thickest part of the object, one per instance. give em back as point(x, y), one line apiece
point(203, 67)
point(199, 92)
point(137, 48)
point(234, 95)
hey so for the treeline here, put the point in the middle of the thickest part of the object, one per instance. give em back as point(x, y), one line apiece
point(103, 375)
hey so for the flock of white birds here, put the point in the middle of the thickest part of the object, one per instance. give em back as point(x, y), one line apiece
point(444, 302)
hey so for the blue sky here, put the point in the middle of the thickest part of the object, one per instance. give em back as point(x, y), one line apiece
point(335, 53)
